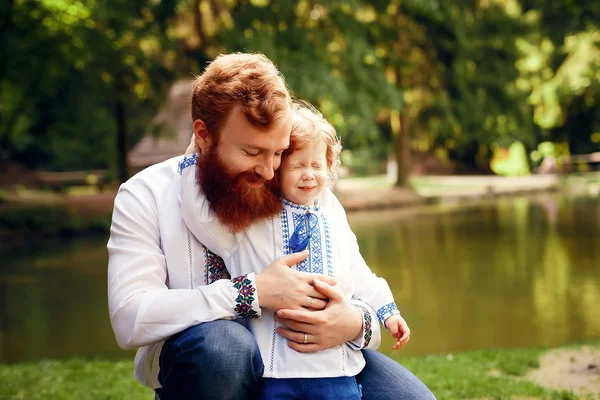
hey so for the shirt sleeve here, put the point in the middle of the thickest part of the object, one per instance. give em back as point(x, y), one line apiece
point(370, 337)
point(369, 288)
point(143, 310)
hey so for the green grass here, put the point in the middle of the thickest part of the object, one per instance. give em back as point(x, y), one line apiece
point(490, 374)
point(459, 376)
point(73, 379)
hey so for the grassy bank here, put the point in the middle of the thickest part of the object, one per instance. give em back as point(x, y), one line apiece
point(489, 374)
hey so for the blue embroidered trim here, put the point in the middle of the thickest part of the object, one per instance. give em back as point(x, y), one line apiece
point(330, 270)
point(367, 324)
point(245, 298)
point(285, 232)
point(186, 162)
point(302, 234)
point(314, 262)
point(387, 311)
point(214, 267)
point(297, 206)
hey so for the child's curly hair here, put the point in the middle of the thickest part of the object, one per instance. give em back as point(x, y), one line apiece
point(310, 126)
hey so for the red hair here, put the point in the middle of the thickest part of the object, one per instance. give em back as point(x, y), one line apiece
point(249, 80)
point(310, 126)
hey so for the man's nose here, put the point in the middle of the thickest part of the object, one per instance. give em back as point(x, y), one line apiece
point(265, 169)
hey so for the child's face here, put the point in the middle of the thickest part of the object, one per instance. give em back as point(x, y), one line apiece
point(304, 174)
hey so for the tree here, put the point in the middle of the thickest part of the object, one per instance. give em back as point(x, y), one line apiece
point(104, 62)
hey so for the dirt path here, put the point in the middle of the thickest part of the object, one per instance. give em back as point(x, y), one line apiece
point(577, 371)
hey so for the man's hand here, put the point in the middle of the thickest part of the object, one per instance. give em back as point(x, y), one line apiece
point(338, 323)
point(278, 286)
point(399, 329)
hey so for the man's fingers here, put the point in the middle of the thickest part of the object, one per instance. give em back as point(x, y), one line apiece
point(294, 326)
point(312, 292)
point(330, 280)
point(294, 258)
point(305, 348)
point(297, 315)
point(331, 292)
point(317, 304)
point(295, 336)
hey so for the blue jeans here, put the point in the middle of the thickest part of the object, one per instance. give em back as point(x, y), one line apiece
point(344, 387)
point(221, 360)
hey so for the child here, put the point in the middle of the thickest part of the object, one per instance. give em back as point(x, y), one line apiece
point(310, 218)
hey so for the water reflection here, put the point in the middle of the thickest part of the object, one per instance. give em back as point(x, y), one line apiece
point(516, 272)
point(513, 272)
point(54, 301)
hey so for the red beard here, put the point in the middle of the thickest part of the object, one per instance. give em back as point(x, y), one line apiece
point(237, 204)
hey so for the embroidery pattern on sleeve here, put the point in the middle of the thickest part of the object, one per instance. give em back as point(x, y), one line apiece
point(245, 298)
point(367, 324)
point(214, 267)
point(387, 311)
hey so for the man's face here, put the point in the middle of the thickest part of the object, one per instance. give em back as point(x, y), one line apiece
point(243, 147)
point(233, 170)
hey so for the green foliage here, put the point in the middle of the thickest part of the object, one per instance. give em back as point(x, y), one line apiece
point(326, 56)
point(512, 161)
point(64, 67)
point(79, 77)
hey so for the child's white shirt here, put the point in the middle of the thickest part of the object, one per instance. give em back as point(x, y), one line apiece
point(333, 251)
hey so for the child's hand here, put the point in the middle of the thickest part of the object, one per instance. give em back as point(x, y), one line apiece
point(400, 330)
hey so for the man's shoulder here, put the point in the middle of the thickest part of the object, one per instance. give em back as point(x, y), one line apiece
point(158, 181)
point(160, 173)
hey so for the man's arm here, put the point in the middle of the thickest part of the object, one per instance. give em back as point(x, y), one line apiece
point(142, 308)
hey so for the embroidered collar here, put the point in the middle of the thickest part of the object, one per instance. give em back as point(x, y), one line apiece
point(290, 204)
point(187, 161)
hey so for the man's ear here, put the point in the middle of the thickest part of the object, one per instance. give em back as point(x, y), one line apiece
point(201, 135)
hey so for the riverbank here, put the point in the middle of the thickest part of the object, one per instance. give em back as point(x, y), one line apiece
point(378, 192)
point(570, 372)
point(83, 210)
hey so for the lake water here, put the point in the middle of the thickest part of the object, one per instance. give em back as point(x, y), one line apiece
point(515, 272)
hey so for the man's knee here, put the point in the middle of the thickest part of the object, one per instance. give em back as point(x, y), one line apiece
point(218, 342)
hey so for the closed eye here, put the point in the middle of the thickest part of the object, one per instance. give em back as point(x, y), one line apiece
point(248, 154)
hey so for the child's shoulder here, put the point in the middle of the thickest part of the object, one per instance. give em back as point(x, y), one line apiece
point(330, 202)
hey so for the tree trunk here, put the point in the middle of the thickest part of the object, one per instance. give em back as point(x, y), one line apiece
point(198, 24)
point(5, 25)
point(399, 123)
point(121, 117)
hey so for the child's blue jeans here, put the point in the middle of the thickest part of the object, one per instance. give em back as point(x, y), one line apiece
point(344, 387)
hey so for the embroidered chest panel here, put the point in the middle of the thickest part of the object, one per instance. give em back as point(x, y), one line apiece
point(294, 219)
point(214, 267)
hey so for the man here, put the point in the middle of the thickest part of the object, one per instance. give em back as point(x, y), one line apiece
point(172, 298)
